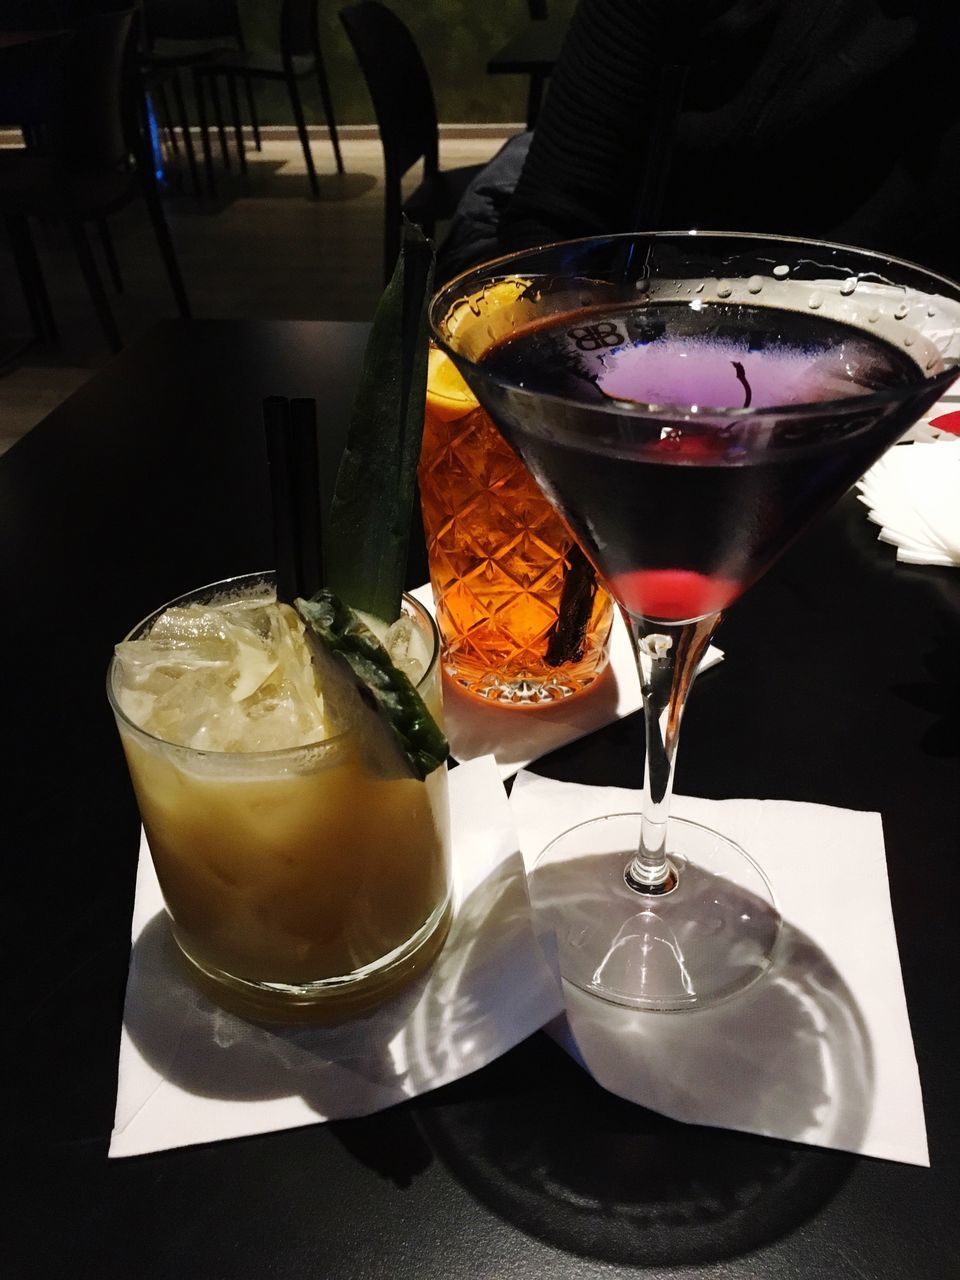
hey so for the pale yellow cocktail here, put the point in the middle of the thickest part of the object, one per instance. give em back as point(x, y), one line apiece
point(304, 877)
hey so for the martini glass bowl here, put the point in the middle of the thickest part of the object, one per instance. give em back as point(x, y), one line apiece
point(689, 402)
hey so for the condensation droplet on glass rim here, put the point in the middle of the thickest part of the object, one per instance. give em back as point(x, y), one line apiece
point(781, 270)
point(724, 288)
point(931, 313)
point(874, 315)
point(848, 286)
point(699, 288)
point(815, 301)
point(901, 311)
point(909, 340)
point(755, 284)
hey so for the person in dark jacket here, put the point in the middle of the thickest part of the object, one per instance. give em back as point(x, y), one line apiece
point(830, 119)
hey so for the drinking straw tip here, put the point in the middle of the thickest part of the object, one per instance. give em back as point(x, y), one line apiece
point(306, 494)
point(276, 419)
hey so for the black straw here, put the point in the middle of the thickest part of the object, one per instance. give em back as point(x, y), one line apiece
point(302, 451)
point(291, 432)
point(276, 420)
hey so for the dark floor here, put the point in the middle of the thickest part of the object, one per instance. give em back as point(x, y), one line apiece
point(261, 249)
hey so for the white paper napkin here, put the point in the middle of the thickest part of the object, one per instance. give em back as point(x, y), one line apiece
point(516, 736)
point(818, 1051)
point(191, 1073)
point(913, 494)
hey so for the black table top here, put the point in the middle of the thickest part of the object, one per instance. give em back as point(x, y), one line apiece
point(840, 687)
point(14, 39)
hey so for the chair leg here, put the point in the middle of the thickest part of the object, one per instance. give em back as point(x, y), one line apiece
point(109, 254)
point(294, 91)
point(237, 123)
point(167, 252)
point(185, 130)
point(327, 101)
point(218, 118)
point(31, 279)
point(159, 96)
point(94, 284)
point(252, 108)
point(204, 132)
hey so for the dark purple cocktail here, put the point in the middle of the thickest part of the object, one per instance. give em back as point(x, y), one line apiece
point(689, 403)
point(681, 514)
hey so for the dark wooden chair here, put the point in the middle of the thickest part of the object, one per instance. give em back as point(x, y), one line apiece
point(172, 122)
point(300, 58)
point(88, 159)
point(186, 36)
point(406, 112)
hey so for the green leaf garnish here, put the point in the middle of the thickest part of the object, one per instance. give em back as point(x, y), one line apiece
point(369, 526)
point(400, 731)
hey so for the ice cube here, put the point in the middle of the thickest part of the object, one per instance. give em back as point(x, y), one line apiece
point(398, 638)
point(198, 703)
point(295, 674)
point(181, 639)
point(146, 669)
point(137, 705)
point(253, 665)
point(401, 642)
point(189, 623)
point(232, 678)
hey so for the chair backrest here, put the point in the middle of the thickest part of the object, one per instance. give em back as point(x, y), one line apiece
point(298, 27)
point(192, 20)
point(399, 85)
point(93, 123)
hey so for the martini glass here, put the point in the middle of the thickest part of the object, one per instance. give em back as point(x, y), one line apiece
point(689, 402)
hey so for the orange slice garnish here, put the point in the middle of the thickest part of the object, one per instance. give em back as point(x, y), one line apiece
point(448, 396)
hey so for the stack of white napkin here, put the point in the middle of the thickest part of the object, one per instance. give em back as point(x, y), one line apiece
point(913, 494)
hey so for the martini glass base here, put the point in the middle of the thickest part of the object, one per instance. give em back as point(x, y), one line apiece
point(708, 939)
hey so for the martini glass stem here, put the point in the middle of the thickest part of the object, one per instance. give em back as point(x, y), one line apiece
point(668, 655)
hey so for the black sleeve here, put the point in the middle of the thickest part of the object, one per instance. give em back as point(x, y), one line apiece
point(829, 119)
point(581, 173)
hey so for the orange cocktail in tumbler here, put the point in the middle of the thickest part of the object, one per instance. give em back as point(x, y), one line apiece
point(521, 616)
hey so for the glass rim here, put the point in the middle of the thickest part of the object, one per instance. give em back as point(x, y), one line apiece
point(322, 745)
point(638, 409)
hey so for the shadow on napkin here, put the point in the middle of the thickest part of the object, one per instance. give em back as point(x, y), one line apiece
point(604, 1179)
point(601, 1177)
point(789, 1058)
point(596, 1174)
point(446, 1023)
